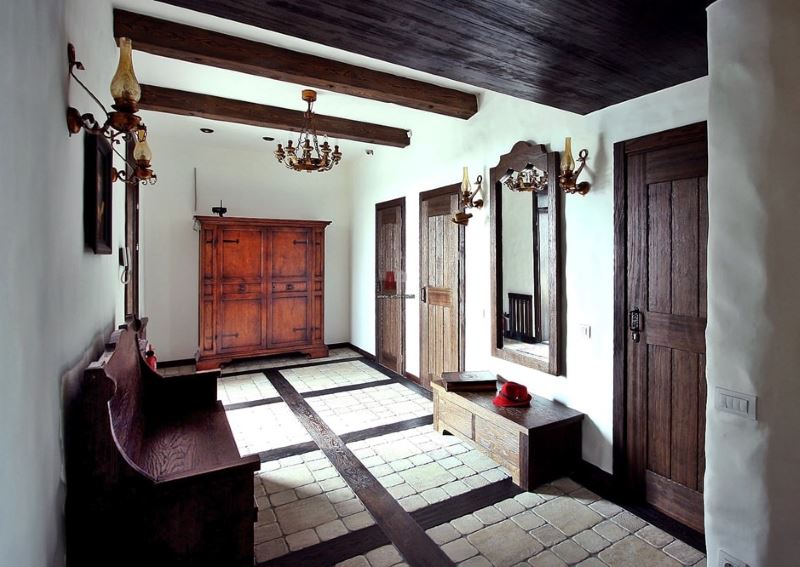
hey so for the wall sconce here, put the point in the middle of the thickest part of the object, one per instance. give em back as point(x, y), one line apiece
point(568, 178)
point(468, 199)
point(530, 179)
point(121, 124)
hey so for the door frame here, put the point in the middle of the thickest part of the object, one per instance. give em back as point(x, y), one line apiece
point(401, 202)
point(624, 483)
point(462, 287)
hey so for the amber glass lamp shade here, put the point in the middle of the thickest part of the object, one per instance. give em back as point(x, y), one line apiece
point(567, 161)
point(125, 89)
point(466, 186)
point(141, 151)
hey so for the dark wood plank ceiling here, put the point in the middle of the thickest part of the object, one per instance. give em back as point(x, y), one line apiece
point(571, 54)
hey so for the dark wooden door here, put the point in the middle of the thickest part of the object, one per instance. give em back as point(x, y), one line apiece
point(242, 317)
point(390, 261)
point(441, 285)
point(667, 235)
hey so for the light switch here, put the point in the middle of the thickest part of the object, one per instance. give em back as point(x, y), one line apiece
point(743, 405)
point(586, 331)
point(726, 560)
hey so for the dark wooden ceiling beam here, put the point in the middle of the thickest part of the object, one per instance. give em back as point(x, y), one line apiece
point(188, 43)
point(172, 101)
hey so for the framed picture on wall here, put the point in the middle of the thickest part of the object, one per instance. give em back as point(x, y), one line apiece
point(97, 179)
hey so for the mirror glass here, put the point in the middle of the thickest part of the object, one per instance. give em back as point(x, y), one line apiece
point(525, 288)
point(526, 278)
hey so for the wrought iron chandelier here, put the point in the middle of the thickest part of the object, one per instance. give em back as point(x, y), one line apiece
point(313, 157)
point(531, 178)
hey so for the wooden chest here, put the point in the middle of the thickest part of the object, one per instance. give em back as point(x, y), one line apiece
point(261, 288)
point(536, 444)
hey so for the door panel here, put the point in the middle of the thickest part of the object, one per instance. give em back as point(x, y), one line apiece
point(241, 323)
point(390, 284)
point(665, 404)
point(289, 320)
point(441, 270)
point(290, 249)
point(242, 254)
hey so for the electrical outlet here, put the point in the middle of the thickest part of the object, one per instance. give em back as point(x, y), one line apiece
point(726, 560)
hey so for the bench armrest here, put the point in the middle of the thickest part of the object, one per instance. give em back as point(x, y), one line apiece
point(182, 391)
point(248, 465)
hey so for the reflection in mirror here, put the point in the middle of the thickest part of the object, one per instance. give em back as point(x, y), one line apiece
point(525, 288)
point(526, 282)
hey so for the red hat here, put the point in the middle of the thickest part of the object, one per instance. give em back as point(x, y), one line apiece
point(512, 395)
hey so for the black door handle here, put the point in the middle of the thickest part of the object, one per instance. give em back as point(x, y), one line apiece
point(423, 295)
point(635, 324)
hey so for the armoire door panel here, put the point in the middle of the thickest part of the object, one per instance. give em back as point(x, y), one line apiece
point(242, 253)
point(288, 320)
point(207, 328)
point(319, 253)
point(207, 256)
point(317, 320)
point(241, 323)
point(289, 257)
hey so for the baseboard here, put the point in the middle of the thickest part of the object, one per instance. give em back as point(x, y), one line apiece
point(603, 484)
point(412, 377)
point(595, 479)
point(361, 351)
point(178, 362)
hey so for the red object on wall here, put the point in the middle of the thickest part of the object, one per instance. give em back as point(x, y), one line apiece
point(150, 359)
point(389, 283)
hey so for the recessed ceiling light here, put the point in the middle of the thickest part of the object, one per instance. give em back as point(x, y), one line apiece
point(206, 130)
point(268, 138)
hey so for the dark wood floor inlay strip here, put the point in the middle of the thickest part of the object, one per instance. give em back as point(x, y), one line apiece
point(354, 436)
point(288, 451)
point(291, 366)
point(413, 386)
point(329, 553)
point(252, 403)
point(348, 388)
point(467, 503)
point(414, 544)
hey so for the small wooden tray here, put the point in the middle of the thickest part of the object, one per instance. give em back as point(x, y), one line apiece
point(482, 380)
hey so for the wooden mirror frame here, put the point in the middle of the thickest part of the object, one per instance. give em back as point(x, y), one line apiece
point(521, 154)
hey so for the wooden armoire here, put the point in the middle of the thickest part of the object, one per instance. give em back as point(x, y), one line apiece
point(261, 288)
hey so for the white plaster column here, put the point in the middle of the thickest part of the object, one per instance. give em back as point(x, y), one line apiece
point(752, 496)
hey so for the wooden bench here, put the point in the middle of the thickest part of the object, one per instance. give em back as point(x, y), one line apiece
point(536, 444)
point(153, 473)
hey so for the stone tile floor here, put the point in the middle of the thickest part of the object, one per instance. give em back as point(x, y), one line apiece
point(370, 407)
point(315, 378)
point(303, 500)
point(266, 427)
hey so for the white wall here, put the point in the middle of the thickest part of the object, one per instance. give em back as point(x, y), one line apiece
point(56, 297)
point(753, 339)
point(251, 183)
point(439, 148)
point(517, 244)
